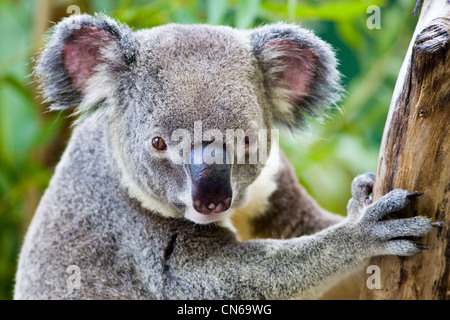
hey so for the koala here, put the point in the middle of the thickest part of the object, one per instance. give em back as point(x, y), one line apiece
point(124, 218)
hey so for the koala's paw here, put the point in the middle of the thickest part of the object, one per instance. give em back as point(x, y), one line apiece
point(386, 237)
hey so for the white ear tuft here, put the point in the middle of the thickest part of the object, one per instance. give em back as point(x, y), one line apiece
point(83, 52)
point(299, 71)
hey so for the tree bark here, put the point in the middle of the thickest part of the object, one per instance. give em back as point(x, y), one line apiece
point(415, 155)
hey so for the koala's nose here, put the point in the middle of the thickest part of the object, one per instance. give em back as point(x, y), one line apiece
point(211, 185)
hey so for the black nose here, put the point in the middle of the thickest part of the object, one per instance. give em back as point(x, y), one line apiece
point(211, 185)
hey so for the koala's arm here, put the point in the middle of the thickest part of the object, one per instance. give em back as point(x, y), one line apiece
point(302, 267)
point(290, 211)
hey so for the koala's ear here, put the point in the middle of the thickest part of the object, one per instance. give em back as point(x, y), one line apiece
point(83, 57)
point(299, 72)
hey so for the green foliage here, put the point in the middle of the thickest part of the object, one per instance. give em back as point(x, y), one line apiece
point(326, 158)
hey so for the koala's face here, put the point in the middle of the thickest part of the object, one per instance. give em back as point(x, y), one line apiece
point(190, 108)
point(194, 109)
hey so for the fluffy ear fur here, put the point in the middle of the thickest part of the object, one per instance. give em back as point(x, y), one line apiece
point(82, 59)
point(299, 72)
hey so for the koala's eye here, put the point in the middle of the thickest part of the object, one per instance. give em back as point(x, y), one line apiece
point(159, 144)
point(250, 139)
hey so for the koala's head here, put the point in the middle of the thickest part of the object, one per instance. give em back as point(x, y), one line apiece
point(187, 106)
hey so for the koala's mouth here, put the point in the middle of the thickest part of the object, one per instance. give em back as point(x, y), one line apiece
point(194, 216)
point(216, 207)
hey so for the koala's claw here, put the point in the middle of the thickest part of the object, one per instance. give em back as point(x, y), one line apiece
point(437, 224)
point(414, 194)
point(422, 246)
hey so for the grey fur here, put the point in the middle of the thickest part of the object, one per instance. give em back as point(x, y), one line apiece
point(97, 211)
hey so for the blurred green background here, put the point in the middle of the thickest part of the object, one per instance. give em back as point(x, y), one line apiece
point(326, 158)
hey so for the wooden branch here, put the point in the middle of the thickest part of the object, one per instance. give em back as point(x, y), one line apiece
point(415, 155)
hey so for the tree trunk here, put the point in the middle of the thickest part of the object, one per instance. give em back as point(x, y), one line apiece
point(415, 155)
